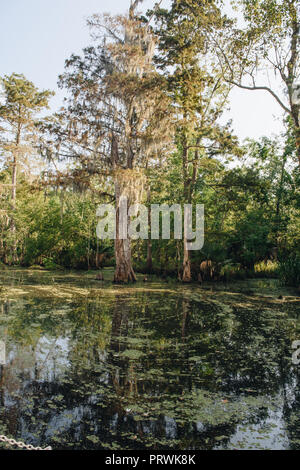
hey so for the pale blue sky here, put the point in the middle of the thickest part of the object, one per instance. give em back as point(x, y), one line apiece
point(36, 36)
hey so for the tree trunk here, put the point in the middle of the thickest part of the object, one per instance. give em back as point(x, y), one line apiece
point(14, 182)
point(149, 256)
point(189, 185)
point(186, 275)
point(186, 268)
point(178, 258)
point(13, 206)
point(124, 272)
point(149, 266)
point(297, 134)
point(279, 199)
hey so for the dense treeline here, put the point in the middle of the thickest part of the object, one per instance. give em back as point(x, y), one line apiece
point(143, 117)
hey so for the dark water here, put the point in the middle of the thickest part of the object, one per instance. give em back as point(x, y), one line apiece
point(160, 367)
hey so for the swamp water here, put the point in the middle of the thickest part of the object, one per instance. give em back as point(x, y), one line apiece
point(89, 365)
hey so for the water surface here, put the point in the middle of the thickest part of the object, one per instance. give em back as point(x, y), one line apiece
point(159, 366)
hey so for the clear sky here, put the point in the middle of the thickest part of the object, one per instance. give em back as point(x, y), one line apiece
point(36, 36)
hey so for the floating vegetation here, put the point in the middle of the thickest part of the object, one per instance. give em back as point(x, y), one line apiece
point(156, 366)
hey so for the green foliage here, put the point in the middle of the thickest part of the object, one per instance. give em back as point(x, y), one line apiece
point(21, 99)
point(289, 270)
point(266, 269)
point(250, 193)
point(230, 271)
point(51, 265)
point(53, 231)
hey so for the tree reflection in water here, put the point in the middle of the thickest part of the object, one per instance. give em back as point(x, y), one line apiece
point(150, 369)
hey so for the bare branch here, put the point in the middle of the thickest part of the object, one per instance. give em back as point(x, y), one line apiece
point(265, 88)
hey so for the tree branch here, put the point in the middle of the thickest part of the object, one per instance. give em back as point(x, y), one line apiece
point(265, 88)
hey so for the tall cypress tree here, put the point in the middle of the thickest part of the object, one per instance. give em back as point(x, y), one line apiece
point(195, 83)
point(117, 115)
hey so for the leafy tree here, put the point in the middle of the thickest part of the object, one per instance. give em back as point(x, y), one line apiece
point(21, 101)
point(268, 43)
point(198, 92)
point(118, 114)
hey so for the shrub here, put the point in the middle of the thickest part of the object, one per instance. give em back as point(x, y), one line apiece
point(230, 271)
point(266, 269)
point(51, 265)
